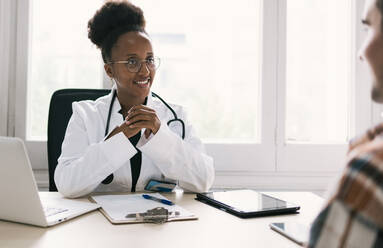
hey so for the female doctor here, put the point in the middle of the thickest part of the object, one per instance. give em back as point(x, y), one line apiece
point(121, 141)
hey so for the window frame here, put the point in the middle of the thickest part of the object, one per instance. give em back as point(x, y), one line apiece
point(7, 27)
point(320, 157)
point(265, 165)
point(37, 150)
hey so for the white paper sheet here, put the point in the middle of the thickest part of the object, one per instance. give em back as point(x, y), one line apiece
point(118, 206)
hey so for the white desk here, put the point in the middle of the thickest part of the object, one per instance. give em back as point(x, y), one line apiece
point(214, 228)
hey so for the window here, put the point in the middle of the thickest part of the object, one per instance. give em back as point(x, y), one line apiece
point(271, 86)
point(207, 57)
point(61, 56)
point(318, 71)
point(210, 63)
point(316, 108)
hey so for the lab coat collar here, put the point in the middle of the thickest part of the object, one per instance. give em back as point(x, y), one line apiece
point(117, 105)
point(149, 101)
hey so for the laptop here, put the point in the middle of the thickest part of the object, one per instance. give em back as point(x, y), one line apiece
point(247, 203)
point(20, 199)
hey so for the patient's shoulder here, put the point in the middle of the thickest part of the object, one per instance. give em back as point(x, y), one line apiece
point(369, 143)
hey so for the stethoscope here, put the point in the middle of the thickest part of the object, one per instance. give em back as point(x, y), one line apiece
point(175, 119)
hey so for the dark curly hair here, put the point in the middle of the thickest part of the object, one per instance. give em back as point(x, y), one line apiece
point(112, 20)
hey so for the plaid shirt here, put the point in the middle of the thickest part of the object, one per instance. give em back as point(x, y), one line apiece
point(353, 216)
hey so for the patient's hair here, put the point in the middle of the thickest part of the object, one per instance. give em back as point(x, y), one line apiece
point(112, 20)
point(379, 4)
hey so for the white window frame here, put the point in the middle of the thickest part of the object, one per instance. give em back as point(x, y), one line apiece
point(37, 150)
point(269, 165)
point(306, 158)
point(6, 51)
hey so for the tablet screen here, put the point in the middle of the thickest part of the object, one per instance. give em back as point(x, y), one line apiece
point(248, 200)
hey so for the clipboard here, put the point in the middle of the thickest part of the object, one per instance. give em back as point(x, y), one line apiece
point(117, 207)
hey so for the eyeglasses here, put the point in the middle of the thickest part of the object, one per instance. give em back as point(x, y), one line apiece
point(134, 65)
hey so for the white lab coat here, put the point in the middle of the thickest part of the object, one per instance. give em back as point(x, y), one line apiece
point(87, 158)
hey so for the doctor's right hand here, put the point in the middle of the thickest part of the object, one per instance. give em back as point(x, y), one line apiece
point(128, 131)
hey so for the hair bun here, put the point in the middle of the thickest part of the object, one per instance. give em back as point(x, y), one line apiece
point(111, 16)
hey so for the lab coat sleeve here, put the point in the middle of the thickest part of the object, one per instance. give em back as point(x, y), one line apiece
point(183, 160)
point(83, 165)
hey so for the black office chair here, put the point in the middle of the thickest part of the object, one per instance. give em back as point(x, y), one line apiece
point(60, 111)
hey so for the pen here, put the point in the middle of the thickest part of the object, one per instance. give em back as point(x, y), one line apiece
point(149, 197)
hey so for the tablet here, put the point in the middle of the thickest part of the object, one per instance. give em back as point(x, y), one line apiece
point(247, 203)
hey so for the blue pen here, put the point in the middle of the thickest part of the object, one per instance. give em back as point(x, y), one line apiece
point(149, 197)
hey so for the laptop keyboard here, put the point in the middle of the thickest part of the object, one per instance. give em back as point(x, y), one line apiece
point(49, 211)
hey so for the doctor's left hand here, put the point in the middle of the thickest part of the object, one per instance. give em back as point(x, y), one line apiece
point(141, 116)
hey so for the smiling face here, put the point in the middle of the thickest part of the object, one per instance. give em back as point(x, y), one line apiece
point(372, 50)
point(131, 46)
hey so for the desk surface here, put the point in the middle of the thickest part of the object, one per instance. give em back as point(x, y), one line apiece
point(214, 228)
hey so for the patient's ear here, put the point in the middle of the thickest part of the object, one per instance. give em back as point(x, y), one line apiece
point(108, 70)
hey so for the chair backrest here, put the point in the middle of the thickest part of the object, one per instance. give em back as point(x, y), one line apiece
point(60, 111)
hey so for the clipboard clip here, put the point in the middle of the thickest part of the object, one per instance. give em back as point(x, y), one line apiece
point(158, 215)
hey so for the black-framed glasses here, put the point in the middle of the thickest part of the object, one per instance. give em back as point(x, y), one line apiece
point(134, 64)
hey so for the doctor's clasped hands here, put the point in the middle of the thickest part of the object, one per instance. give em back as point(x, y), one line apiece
point(137, 118)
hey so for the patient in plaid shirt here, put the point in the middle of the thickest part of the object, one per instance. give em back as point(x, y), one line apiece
point(353, 216)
